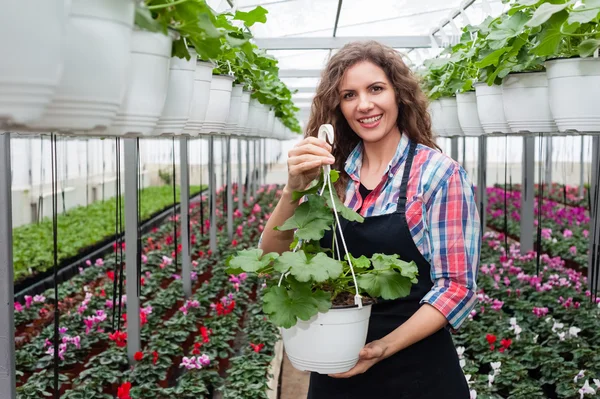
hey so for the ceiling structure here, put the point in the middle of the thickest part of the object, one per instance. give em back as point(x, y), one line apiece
point(303, 34)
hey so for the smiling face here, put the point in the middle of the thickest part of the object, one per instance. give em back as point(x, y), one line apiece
point(368, 102)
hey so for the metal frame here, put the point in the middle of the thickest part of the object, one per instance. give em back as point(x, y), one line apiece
point(594, 264)
point(228, 188)
point(184, 199)
point(481, 195)
point(527, 194)
point(328, 43)
point(212, 183)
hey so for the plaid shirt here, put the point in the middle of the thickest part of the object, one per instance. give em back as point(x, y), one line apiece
point(442, 217)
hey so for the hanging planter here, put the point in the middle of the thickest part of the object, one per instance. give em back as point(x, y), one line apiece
point(468, 116)
point(269, 125)
point(178, 104)
point(202, 78)
point(574, 89)
point(218, 105)
point(490, 108)
point(235, 107)
point(253, 115)
point(526, 106)
point(259, 128)
point(98, 46)
point(450, 117)
point(244, 108)
point(147, 87)
point(435, 110)
point(329, 342)
point(32, 59)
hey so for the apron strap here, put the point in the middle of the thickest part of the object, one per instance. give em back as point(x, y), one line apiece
point(405, 176)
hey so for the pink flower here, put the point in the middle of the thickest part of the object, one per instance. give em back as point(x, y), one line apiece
point(39, 299)
point(567, 233)
point(28, 301)
point(144, 259)
point(88, 262)
point(573, 250)
point(99, 262)
point(256, 208)
point(585, 233)
point(18, 307)
point(497, 304)
point(540, 312)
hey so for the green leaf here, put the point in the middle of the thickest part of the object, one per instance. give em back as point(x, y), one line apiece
point(259, 14)
point(342, 209)
point(313, 188)
point(587, 13)
point(322, 300)
point(144, 20)
point(310, 219)
point(249, 260)
point(319, 268)
point(387, 284)
point(550, 36)
point(544, 12)
point(492, 58)
point(359, 263)
point(334, 175)
point(393, 262)
point(509, 27)
point(285, 307)
point(587, 47)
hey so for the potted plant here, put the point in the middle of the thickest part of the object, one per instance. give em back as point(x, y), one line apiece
point(316, 299)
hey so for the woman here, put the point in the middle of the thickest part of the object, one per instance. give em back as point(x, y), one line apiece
point(417, 203)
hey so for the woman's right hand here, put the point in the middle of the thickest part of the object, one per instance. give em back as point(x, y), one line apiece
point(305, 160)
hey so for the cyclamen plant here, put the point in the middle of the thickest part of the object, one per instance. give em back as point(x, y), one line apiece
point(305, 280)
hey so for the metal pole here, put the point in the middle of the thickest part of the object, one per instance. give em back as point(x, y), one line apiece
point(255, 181)
point(265, 161)
point(228, 186)
point(240, 181)
point(7, 321)
point(548, 163)
point(184, 200)
point(482, 181)
point(464, 154)
point(213, 193)
point(581, 169)
point(527, 194)
point(248, 172)
point(594, 228)
point(131, 233)
point(454, 148)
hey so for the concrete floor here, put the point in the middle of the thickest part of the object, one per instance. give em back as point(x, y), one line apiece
point(294, 383)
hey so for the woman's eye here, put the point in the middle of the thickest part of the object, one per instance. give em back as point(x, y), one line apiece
point(377, 88)
point(347, 95)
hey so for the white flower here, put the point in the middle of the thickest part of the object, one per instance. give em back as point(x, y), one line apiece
point(496, 367)
point(460, 350)
point(518, 331)
point(473, 394)
point(513, 321)
point(490, 380)
point(573, 331)
point(597, 382)
point(557, 326)
point(586, 389)
point(579, 375)
point(468, 378)
point(561, 336)
point(462, 363)
point(535, 337)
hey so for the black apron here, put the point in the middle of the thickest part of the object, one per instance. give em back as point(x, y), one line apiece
point(430, 368)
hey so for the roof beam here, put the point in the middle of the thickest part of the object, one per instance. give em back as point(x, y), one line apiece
point(303, 89)
point(328, 43)
point(300, 73)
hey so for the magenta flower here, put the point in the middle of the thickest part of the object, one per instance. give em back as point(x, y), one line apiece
point(573, 250)
point(18, 307)
point(567, 233)
point(28, 301)
point(99, 262)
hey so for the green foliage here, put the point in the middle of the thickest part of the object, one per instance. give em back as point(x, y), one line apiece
point(78, 229)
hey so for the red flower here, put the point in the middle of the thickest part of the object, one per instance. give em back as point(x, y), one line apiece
point(119, 338)
point(197, 346)
point(204, 332)
point(103, 293)
point(491, 339)
point(143, 318)
point(257, 348)
point(234, 243)
point(201, 254)
point(209, 252)
point(138, 356)
point(154, 357)
point(111, 275)
point(123, 391)
point(142, 281)
point(505, 344)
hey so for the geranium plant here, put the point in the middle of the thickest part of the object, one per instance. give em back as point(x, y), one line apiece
point(305, 280)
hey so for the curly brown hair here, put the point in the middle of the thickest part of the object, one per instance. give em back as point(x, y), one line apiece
point(413, 116)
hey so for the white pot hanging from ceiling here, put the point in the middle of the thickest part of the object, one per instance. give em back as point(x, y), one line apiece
point(526, 106)
point(32, 46)
point(468, 115)
point(574, 89)
point(270, 124)
point(235, 108)
point(98, 52)
point(147, 86)
point(261, 121)
point(435, 111)
point(244, 108)
point(490, 108)
point(218, 105)
point(202, 78)
point(253, 115)
point(178, 104)
point(450, 117)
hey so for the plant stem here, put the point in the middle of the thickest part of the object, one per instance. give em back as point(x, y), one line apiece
point(159, 6)
point(577, 34)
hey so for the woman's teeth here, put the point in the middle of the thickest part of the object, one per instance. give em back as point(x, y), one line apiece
point(370, 120)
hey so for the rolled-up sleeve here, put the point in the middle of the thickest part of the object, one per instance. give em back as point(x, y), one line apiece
point(455, 242)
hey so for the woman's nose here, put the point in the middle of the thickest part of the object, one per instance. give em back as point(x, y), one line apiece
point(364, 103)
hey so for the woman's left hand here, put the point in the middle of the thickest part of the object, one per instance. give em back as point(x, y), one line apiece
point(372, 353)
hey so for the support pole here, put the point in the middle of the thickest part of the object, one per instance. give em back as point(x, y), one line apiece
point(527, 194)
point(594, 264)
point(482, 180)
point(213, 193)
point(7, 320)
point(228, 187)
point(240, 176)
point(548, 163)
point(464, 154)
point(248, 172)
point(131, 234)
point(581, 169)
point(454, 148)
point(265, 161)
point(184, 200)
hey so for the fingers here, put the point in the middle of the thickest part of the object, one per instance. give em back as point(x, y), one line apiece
point(310, 158)
point(313, 140)
point(309, 148)
point(304, 167)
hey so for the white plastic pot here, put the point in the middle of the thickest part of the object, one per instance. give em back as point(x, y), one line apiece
point(178, 104)
point(218, 105)
point(270, 123)
point(526, 106)
point(253, 115)
point(574, 89)
point(202, 78)
point(260, 125)
point(32, 46)
point(468, 117)
point(435, 110)
point(99, 37)
point(328, 342)
point(244, 108)
point(147, 87)
point(235, 107)
point(490, 108)
point(450, 117)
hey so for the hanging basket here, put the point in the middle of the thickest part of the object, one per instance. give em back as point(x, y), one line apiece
point(526, 106)
point(202, 78)
point(468, 116)
point(147, 87)
point(490, 108)
point(178, 104)
point(450, 117)
point(99, 36)
point(32, 46)
point(235, 107)
point(435, 110)
point(574, 89)
point(244, 108)
point(218, 105)
point(329, 342)
point(253, 116)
